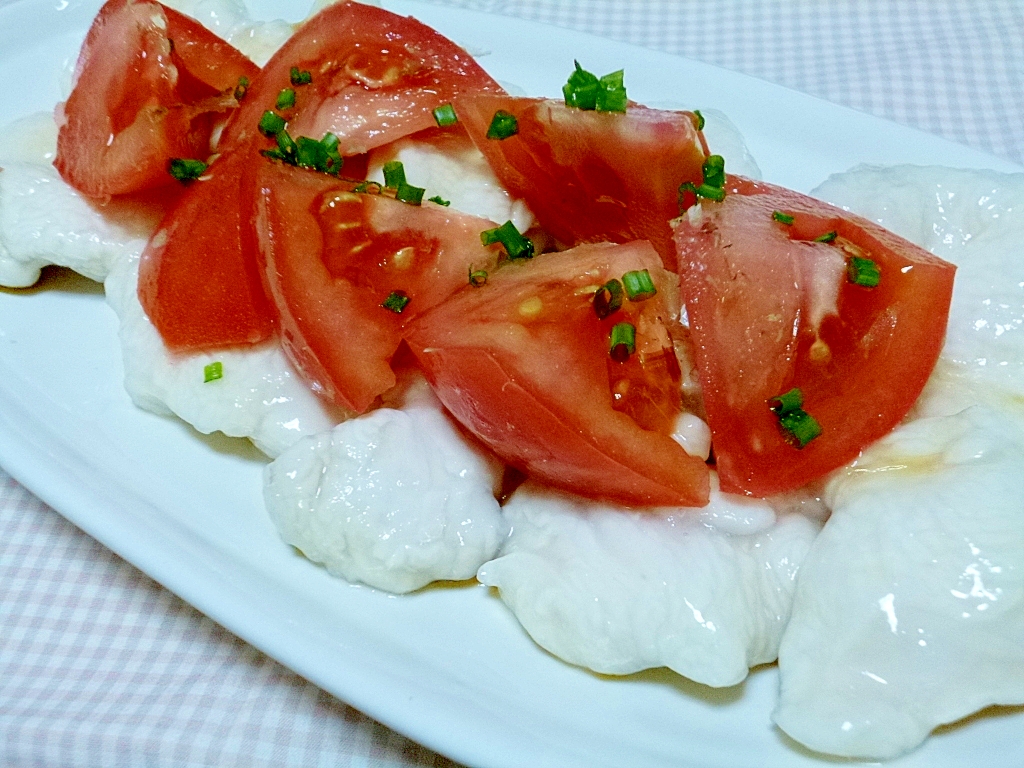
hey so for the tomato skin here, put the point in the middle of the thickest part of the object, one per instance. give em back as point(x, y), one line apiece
point(207, 58)
point(592, 176)
point(186, 295)
point(332, 257)
point(196, 284)
point(749, 285)
point(536, 386)
point(135, 104)
point(376, 77)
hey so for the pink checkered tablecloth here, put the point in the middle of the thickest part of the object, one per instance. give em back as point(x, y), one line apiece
point(99, 665)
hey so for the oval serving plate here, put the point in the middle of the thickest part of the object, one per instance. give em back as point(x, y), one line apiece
point(449, 667)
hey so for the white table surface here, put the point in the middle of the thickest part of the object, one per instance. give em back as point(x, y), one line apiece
point(99, 665)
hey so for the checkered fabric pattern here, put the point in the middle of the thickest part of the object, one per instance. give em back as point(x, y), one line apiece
point(948, 67)
point(101, 666)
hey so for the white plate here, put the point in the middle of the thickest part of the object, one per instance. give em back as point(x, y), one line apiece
point(448, 667)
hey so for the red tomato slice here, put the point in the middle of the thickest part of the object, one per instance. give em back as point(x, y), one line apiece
point(770, 310)
point(334, 256)
point(196, 282)
point(203, 56)
point(376, 77)
point(523, 363)
point(149, 87)
point(186, 294)
point(592, 176)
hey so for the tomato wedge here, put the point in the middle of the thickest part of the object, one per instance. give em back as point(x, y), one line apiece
point(191, 272)
point(196, 283)
point(206, 59)
point(523, 363)
point(592, 176)
point(375, 76)
point(772, 309)
point(335, 258)
point(150, 85)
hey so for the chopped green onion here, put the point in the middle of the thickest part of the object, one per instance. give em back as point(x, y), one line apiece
point(611, 96)
point(242, 88)
point(581, 89)
point(271, 124)
point(608, 298)
point(612, 101)
point(300, 77)
point(477, 278)
point(407, 193)
point(622, 342)
point(783, 218)
point(863, 272)
point(285, 99)
point(584, 90)
point(503, 125)
point(287, 145)
point(332, 159)
point(828, 237)
point(310, 153)
point(516, 246)
point(306, 152)
point(185, 170)
point(710, 192)
point(713, 186)
point(440, 200)
point(212, 372)
point(795, 422)
point(714, 171)
point(368, 187)
point(396, 301)
point(700, 119)
point(800, 426)
point(394, 174)
point(321, 156)
point(639, 285)
point(445, 116)
point(788, 401)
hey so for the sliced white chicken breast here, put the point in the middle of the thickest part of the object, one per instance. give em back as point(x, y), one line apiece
point(909, 611)
point(44, 220)
point(257, 393)
point(619, 591)
point(448, 166)
point(394, 499)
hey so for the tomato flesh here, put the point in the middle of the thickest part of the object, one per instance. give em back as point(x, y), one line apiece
point(376, 77)
point(592, 176)
point(208, 59)
point(149, 87)
point(333, 257)
point(189, 279)
point(523, 363)
point(770, 310)
point(196, 283)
